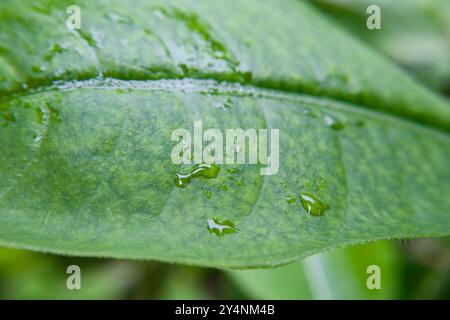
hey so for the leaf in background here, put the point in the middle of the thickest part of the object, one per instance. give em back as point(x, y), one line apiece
point(85, 163)
point(415, 33)
point(339, 274)
point(29, 275)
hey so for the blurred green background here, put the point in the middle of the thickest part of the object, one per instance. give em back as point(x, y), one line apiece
point(415, 34)
point(410, 269)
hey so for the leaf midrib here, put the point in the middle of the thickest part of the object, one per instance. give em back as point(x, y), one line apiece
point(226, 87)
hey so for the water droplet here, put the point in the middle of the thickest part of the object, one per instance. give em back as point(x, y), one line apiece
point(207, 171)
point(290, 199)
point(312, 205)
point(232, 170)
point(123, 90)
point(118, 17)
point(322, 184)
point(57, 48)
point(182, 180)
point(219, 228)
point(218, 105)
point(37, 68)
point(228, 103)
point(333, 123)
point(310, 113)
point(208, 194)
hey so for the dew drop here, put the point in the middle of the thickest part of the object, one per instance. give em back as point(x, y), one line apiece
point(312, 205)
point(228, 103)
point(290, 199)
point(207, 171)
point(119, 17)
point(36, 68)
point(182, 180)
point(208, 194)
point(232, 170)
point(220, 228)
point(333, 123)
point(57, 48)
point(310, 113)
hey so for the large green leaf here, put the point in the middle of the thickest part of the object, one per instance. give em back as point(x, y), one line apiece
point(87, 118)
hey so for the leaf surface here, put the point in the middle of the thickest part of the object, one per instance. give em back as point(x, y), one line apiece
point(87, 117)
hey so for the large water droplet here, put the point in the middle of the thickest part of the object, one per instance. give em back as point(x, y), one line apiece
point(312, 205)
point(220, 228)
point(207, 171)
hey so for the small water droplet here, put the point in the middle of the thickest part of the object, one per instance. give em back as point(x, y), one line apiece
point(37, 138)
point(220, 228)
point(290, 199)
point(182, 180)
point(312, 205)
point(228, 103)
point(160, 14)
point(118, 17)
point(333, 123)
point(232, 170)
point(36, 68)
point(57, 48)
point(218, 105)
point(207, 171)
point(310, 113)
point(208, 194)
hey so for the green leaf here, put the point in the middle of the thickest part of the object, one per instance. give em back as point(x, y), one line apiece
point(87, 117)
